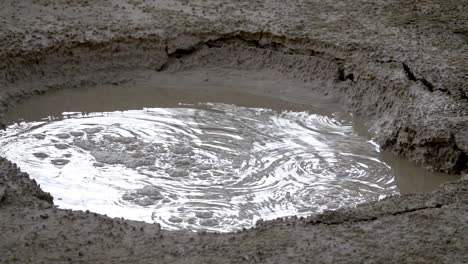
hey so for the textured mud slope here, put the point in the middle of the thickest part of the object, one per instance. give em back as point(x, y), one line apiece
point(426, 126)
point(399, 64)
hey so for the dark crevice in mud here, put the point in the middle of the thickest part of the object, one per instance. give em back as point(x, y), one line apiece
point(365, 219)
point(180, 53)
point(260, 37)
point(462, 161)
point(257, 39)
point(386, 61)
point(251, 39)
point(408, 72)
point(462, 33)
point(334, 218)
point(412, 77)
point(166, 49)
point(417, 209)
point(342, 76)
point(428, 85)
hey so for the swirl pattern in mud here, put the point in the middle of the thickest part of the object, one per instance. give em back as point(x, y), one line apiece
point(216, 167)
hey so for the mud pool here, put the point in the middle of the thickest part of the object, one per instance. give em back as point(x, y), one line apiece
point(200, 160)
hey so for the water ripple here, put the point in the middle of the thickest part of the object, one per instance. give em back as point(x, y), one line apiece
point(215, 167)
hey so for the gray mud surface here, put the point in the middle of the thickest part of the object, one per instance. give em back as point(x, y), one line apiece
point(400, 65)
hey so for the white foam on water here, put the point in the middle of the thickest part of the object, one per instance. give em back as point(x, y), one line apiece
point(211, 166)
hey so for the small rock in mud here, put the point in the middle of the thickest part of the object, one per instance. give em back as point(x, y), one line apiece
point(149, 191)
point(61, 146)
point(178, 173)
point(152, 168)
point(134, 163)
point(40, 155)
point(2, 193)
point(39, 136)
point(105, 157)
point(203, 176)
point(209, 222)
point(204, 214)
point(204, 166)
point(128, 197)
point(145, 202)
point(92, 130)
point(175, 219)
point(183, 162)
point(145, 196)
point(44, 216)
point(84, 144)
point(161, 150)
point(132, 147)
point(181, 150)
point(98, 164)
point(68, 155)
point(124, 140)
point(138, 154)
point(59, 162)
point(76, 133)
point(63, 135)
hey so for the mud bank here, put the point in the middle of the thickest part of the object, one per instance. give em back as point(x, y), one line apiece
point(398, 65)
point(421, 228)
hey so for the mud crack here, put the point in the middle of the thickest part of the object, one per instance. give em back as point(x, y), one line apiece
point(261, 40)
point(409, 73)
point(329, 218)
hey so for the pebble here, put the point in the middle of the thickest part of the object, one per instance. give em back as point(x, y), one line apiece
point(175, 219)
point(124, 140)
point(98, 164)
point(59, 162)
point(209, 222)
point(204, 214)
point(39, 136)
point(181, 150)
point(61, 146)
point(145, 201)
point(182, 162)
point(150, 191)
point(92, 130)
point(178, 173)
point(205, 166)
point(76, 133)
point(63, 135)
point(40, 155)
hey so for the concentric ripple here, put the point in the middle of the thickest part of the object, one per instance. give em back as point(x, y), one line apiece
point(209, 166)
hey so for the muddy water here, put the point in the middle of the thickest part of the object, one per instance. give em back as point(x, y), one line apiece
point(200, 158)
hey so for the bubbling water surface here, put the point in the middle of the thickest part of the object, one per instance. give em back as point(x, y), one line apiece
point(210, 151)
point(210, 166)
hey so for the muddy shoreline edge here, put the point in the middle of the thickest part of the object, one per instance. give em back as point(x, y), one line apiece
point(418, 110)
